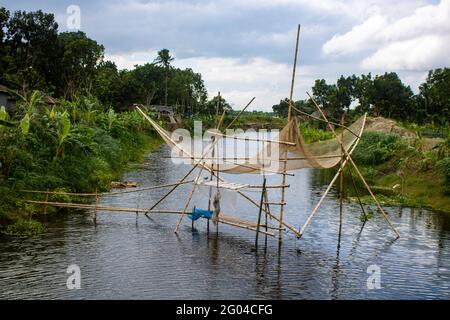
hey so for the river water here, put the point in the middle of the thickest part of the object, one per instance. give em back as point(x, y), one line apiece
point(133, 257)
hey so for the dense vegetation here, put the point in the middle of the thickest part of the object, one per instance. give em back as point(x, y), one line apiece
point(382, 95)
point(74, 147)
point(414, 172)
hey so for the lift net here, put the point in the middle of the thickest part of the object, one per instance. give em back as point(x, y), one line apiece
point(287, 147)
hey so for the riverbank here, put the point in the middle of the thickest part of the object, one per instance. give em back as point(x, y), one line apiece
point(405, 169)
point(73, 147)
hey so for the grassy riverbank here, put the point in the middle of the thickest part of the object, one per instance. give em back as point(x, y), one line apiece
point(73, 147)
point(412, 172)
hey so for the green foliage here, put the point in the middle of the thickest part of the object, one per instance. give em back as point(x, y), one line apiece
point(444, 168)
point(311, 134)
point(25, 124)
point(376, 148)
point(72, 147)
point(23, 227)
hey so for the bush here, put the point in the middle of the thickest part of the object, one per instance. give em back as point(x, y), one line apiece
point(444, 167)
point(376, 148)
point(24, 227)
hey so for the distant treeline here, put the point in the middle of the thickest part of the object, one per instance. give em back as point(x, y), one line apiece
point(35, 56)
point(382, 95)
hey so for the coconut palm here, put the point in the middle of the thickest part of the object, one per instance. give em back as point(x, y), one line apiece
point(164, 59)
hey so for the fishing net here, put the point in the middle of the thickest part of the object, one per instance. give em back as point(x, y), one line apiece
point(284, 152)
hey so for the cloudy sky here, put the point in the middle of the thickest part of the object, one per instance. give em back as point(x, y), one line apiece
point(245, 48)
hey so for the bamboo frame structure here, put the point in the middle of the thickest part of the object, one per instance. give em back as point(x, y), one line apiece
point(264, 205)
point(348, 158)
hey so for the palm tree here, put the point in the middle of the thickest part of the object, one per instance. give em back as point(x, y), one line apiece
point(164, 59)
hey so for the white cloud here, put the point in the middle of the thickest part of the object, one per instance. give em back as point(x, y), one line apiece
point(129, 60)
point(417, 54)
point(418, 41)
point(356, 40)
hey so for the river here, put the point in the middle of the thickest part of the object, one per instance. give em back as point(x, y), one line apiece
point(133, 257)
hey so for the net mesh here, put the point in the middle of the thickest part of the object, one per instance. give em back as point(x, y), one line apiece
point(287, 148)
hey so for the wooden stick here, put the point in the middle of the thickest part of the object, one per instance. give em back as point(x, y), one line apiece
point(188, 201)
point(243, 226)
point(316, 208)
point(240, 113)
point(359, 173)
point(293, 72)
point(102, 208)
point(292, 228)
point(260, 211)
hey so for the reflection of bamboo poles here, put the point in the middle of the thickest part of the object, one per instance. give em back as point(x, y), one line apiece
point(341, 183)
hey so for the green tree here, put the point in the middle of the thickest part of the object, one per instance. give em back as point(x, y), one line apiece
point(164, 59)
point(4, 57)
point(435, 93)
point(31, 39)
point(391, 98)
point(80, 58)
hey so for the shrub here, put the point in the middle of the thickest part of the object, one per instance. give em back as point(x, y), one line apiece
point(376, 148)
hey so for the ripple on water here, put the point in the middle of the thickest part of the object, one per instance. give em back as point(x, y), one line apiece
point(137, 258)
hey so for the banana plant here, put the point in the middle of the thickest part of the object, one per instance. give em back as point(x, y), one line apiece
point(111, 116)
point(3, 115)
point(62, 130)
point(31, 103)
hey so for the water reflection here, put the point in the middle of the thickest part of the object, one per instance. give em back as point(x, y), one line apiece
point(129, 256)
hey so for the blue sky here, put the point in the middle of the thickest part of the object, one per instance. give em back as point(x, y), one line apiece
point(245, 48)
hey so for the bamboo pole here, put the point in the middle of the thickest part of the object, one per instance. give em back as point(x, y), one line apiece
point(359, 173)
point(259, 214)
point(293, 73)
point(102, 208)
point(240, 113)
point(188, 202)
point(316, 208)
point(105, 194)
point(283, 190)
